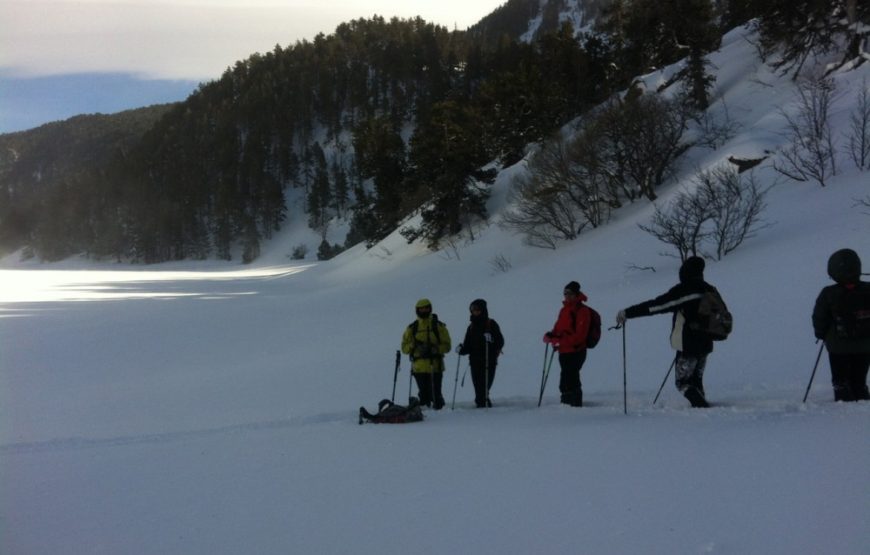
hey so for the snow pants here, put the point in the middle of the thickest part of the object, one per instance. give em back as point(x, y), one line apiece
point(481, 387)
point(689, 376)
point(569, 378)
point(429, 387)
point(849, 376)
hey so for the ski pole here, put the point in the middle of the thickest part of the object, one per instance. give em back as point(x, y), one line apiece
point(671, 367)
point(487, 337)
point(396, 374)
point(813, 375)
point(624, 375)
point(455, 380)
point(410, 379)
point(546, 372)
point(624, 369)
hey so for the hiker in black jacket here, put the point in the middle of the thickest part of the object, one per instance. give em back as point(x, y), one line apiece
point(841, 318)
point(692, 346)
point(483, 343)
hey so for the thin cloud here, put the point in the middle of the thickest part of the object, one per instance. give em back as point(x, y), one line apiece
point(190, 39)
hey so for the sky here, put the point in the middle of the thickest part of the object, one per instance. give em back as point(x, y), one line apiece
point(59, 58)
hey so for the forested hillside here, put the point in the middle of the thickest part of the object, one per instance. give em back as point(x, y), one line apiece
point(373, 122)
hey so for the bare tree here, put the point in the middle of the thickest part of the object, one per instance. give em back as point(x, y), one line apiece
point(558, 198)
point(643, 138)
point(735, 203)
point(681, 224)
point(859, 125)
point(810, 154)
point(721, 207)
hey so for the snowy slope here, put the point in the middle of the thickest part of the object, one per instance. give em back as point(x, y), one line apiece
point(208, 408)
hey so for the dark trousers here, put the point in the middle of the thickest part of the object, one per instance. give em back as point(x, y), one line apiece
point(849, 376)
point(429, 387)
point(479, 379)
point(569, 379)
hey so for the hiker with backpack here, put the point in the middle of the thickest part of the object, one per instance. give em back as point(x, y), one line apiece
point(691, 337)
point(483, 344)
point(426, 341)
point(841, 317)
point(569, 338)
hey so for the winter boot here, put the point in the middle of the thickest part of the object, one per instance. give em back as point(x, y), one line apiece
point(842, 392)
point(694, 396)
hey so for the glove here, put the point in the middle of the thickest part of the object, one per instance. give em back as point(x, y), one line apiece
point(620, 317)
point(459, 349)
point(550, 338)
point(487, 337)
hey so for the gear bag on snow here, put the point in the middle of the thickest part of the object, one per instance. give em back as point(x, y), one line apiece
point(391, 413)
point(852, 314)
point(713, 317)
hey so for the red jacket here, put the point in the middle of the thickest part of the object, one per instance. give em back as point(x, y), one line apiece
point(572, 325)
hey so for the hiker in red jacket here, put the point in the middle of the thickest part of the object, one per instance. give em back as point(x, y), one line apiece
point(568, 337)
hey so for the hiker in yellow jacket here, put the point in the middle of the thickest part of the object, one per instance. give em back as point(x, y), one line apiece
point(426, 340)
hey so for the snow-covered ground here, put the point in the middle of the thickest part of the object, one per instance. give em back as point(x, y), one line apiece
point(207, 408)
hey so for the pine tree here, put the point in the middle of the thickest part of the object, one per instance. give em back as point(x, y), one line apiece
point(446, 156)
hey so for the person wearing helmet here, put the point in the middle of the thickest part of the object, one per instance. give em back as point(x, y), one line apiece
point(426, 341)
point(841, 317)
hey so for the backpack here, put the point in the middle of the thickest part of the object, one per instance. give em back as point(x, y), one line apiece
point(436, 324)
point(713, 317)
point(852, 314)
point(391, 413)
point(593, 336)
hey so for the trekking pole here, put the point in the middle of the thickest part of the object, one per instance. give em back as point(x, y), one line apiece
point(455, 380)
point(487, 339)
point(671, 367)
point(813, 375)
point(624, 369)
point(396, 374)
point(545, 373)
point(624, 375)
point(410, 379)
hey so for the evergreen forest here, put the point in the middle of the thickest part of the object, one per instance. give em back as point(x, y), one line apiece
point(381, 119)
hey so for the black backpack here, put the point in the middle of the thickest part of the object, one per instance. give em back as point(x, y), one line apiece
point(391, 413)
point(713, 317)
point(852, 313)
point(593, 336)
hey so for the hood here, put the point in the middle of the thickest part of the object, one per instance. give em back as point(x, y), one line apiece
point(844, 266)
point(692, 269)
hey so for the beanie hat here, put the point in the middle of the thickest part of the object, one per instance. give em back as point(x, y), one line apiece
point(422, 303)
point(844, 266)
point(692, 268)
point(573, 287)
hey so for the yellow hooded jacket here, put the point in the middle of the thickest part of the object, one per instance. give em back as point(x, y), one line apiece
point(428, 345)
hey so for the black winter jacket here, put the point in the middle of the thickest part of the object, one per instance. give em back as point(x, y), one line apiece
point(474, 345)
point(682, 300)
point(829, 301)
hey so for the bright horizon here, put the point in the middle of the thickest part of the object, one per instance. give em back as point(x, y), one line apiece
point(191, 40)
